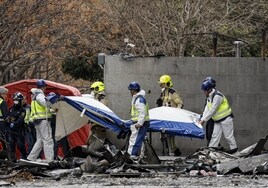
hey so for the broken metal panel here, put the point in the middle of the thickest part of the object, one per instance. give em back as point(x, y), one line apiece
point(245, 165)
point(10, 175)
point(150, 155)
point(90, 167)
point(249, 164)
point(109, 156)
point(254, 149)
point(162, 167)
point(4, 183)
point(224, 168)
point(245, 151)
point(62, 172)
point(32, 163)
point(259, 147)
point(206, 154)
point(263, 169)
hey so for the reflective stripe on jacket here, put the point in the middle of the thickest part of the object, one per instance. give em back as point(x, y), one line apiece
point(171, 98)
point(223, 111)
point(28, 118)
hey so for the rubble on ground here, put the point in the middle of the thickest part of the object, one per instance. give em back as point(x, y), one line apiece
point(104, 160)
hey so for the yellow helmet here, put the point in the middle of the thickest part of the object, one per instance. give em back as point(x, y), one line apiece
point(97, 86)
point(165, 79)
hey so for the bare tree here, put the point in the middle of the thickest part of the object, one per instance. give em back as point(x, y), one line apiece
point(184, 27)
point(36, 35)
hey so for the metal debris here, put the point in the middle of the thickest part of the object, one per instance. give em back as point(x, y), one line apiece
point(104, 160)
point(4, 183)
point(244, 165)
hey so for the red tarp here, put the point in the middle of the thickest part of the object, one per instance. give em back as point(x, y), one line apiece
point(76, 138)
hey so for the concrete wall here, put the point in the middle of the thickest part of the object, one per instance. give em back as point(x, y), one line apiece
point(244, 81)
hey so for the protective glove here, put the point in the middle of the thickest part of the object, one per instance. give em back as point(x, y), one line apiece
point(137, 126)
point(11, 125)
point(61, 97)
point(123, 133)
point(159, 102)
point(201, 122)
point(25, 131)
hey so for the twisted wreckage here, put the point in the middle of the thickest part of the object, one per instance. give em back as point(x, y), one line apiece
point(102, 157)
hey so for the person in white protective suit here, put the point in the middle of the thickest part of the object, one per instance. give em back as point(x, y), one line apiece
point(140, 119)
point(218, 108)
point(41, 116)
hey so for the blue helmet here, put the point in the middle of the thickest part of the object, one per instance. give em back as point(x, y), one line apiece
point(134, 86)
point(207, 85)
point(41, 83)
point(209, 78)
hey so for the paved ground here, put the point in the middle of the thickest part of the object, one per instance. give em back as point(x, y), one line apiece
point(91, 181)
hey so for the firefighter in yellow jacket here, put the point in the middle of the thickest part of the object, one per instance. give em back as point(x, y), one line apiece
point(169, 97)
point(98, 93)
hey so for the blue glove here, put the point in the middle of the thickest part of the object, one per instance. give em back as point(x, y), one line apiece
point(11, 125)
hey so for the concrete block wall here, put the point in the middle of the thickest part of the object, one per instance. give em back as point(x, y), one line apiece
point(244, 81)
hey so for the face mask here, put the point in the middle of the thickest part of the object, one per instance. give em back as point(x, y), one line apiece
point(16, 102)
point(163, 89)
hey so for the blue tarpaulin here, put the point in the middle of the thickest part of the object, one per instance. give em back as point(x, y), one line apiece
point(75, 111)
point(175, 121)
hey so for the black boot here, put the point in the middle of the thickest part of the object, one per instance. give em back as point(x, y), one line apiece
point(232, 151)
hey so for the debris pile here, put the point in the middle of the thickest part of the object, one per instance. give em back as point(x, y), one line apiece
point(102, 157)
